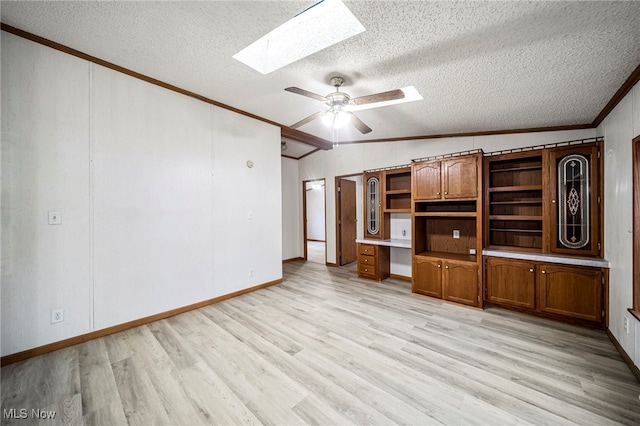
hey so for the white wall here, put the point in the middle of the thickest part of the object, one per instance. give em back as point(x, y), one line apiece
point(44, 167)
point(357, 157)
point(314, 192)
point(154, 192)
point(619, 129)
point(292, 237)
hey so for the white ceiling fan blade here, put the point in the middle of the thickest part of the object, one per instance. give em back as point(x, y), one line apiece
point(410, 95)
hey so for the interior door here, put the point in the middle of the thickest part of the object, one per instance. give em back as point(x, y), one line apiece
point(347, 221)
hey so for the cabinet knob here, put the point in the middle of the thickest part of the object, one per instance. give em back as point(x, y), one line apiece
point(544, 272)
point(530, 269)
point(446, 267)
point(446, 193)
point(439, 265)
point(553, 201)
point(437, 193)
point(366, 270)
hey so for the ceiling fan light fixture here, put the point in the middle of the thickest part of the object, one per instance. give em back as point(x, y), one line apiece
point(322, 25)
point(341, 119)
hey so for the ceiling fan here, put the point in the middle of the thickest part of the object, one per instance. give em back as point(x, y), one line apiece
point(341, 105)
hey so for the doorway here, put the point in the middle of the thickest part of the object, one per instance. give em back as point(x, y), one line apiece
point(314, 208)
point(348, 210)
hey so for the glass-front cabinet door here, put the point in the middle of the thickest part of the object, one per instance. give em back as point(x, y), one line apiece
point(372, 205)
point(575, 203)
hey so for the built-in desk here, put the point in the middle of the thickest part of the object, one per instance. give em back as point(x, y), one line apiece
point(374, 257)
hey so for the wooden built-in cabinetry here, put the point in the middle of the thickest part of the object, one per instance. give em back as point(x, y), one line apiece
point(396, 191)
point(574, 293)
point(373, 261)
point(447, 225)
point(376, 225)
point(528, 208)
point(544, 200)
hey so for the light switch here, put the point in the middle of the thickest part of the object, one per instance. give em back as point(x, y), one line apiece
point(55, 218)
point(456, 233)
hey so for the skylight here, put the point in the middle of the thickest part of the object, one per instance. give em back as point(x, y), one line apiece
point(322, 25)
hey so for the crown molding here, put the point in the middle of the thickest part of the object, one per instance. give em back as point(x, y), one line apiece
point(291, 133)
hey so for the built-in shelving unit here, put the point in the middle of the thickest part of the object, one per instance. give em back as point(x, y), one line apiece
point(447, 227)
point(514, 199)
point(397, 190)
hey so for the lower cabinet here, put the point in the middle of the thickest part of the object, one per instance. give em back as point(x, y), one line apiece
point(511, 282)
point(460, 283)
point(427, 276)
point(572, 291)
point(562, 291)
point(452, 280)
point(373, 261)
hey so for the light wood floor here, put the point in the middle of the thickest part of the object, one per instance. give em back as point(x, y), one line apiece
point(316, 252)
point(325, 347)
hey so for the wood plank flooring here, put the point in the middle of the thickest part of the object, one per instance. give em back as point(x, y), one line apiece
point(325, 347)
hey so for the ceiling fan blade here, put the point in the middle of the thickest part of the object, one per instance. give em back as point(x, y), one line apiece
point(359, 124)
point(306, 93)
point(307, 120)
point(391, 95)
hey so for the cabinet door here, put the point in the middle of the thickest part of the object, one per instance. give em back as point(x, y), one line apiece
point(575, 200)
point(571, 291)
point(511, 282)
point(427, 276)
point(460, 177)
point(426, 181)
point(373, 221)
point(460, 282)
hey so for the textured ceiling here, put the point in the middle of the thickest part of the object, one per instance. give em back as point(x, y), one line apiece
point(480, 66)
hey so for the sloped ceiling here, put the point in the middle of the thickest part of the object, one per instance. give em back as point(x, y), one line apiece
point(480, 66)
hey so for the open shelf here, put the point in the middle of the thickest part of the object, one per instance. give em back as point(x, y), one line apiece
point(471, 258)
point(514, 200)
point(514, 217)
point(517, 188)
point(447, 207)
point(446, 214)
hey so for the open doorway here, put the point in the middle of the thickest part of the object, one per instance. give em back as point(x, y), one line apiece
point(315, 236)
point(348, 210)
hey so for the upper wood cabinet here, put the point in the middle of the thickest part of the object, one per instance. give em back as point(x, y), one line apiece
point(426, 181)
point(574, 212)
point(447, 179)
point(375, 223)
point(460, 177)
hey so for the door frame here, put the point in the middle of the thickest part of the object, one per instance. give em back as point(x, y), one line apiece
point(337, 215)
point(304, 215)
point(635, 310)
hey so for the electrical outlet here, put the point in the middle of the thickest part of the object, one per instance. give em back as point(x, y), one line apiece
point(456, 233)
point(57, 315)
point(626, 325)
point(250, 272)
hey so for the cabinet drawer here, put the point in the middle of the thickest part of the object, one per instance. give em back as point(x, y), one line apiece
point(367, 260)
point(367, 249)
point(366, 270)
